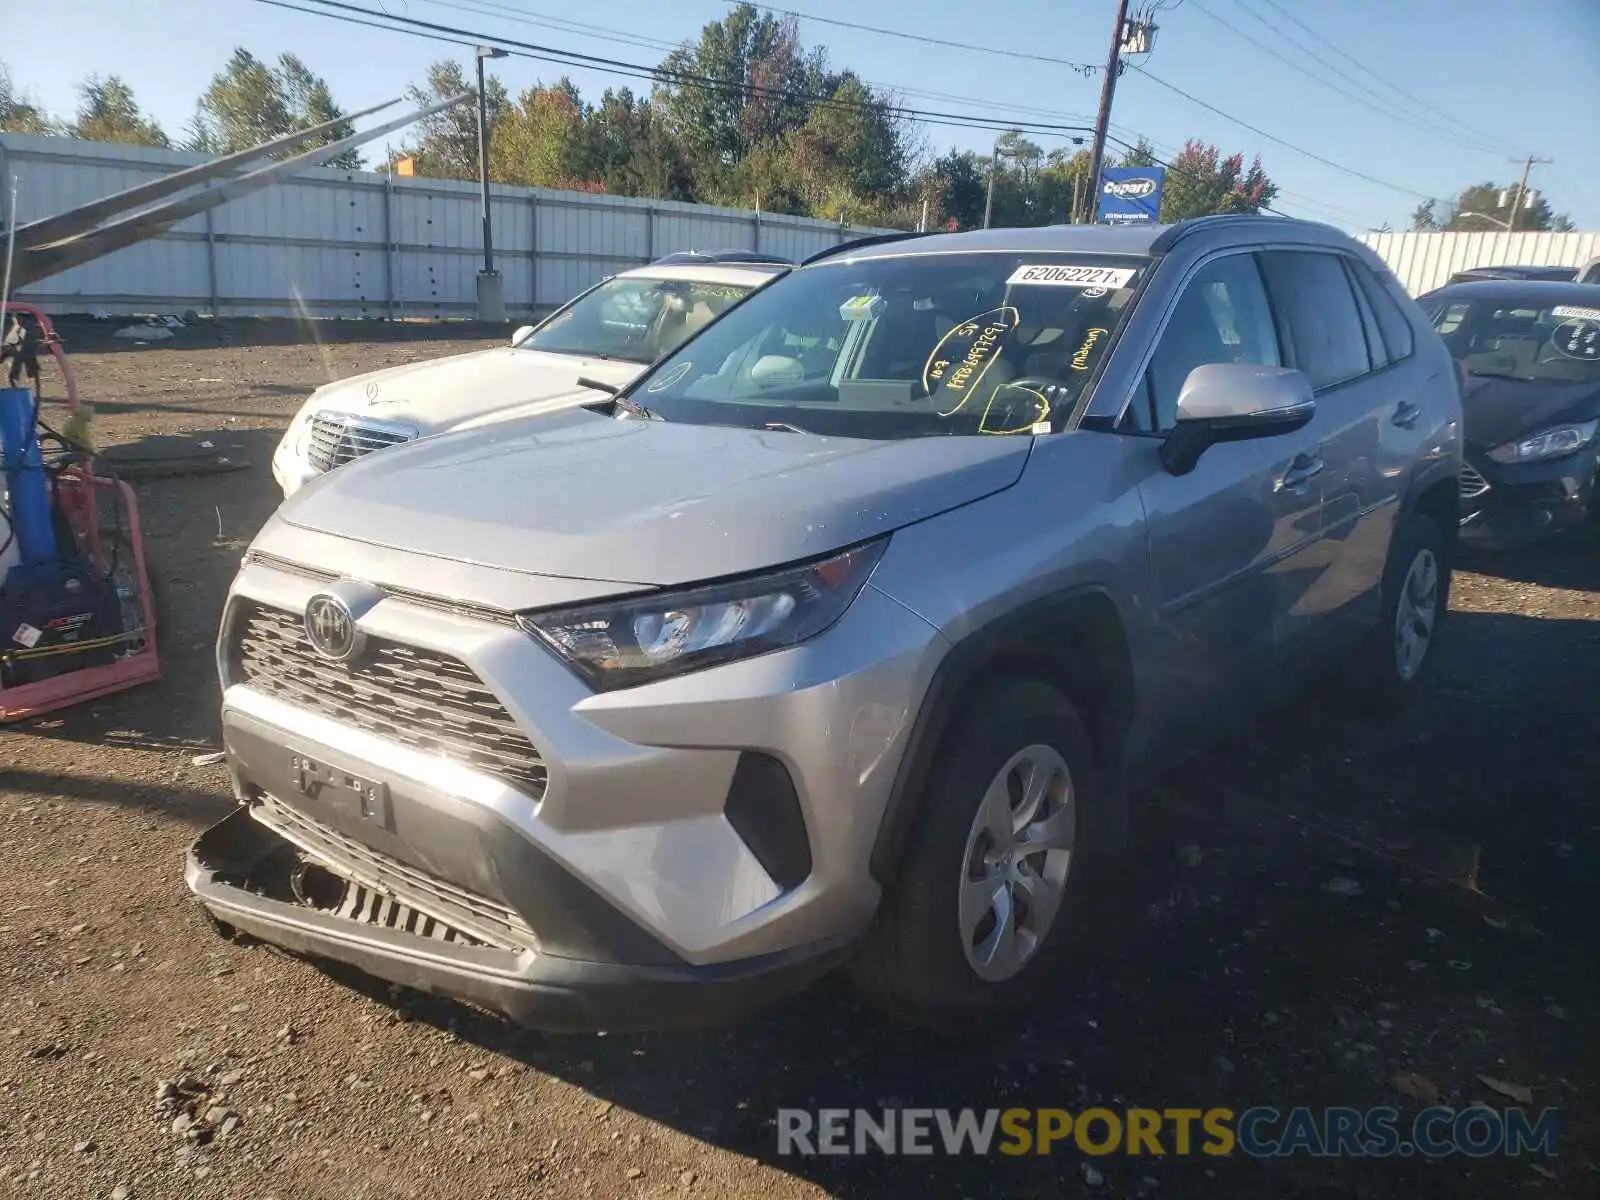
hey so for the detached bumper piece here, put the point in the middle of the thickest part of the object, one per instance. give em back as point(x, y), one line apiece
point(269, 872)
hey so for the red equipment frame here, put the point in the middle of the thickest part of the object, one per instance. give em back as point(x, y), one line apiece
point(76, 486)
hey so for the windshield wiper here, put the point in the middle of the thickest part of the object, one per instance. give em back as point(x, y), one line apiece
point(632, 407)
point(784, 425)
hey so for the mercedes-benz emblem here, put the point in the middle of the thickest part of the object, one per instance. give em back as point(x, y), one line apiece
point(331, 628)
point(372, 393)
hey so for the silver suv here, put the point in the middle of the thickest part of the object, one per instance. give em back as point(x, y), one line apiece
point(838, 636)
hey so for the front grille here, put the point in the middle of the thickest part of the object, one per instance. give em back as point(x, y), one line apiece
point(338, 438)
point(383, 892)
point(418, 698)
point(1472, 484)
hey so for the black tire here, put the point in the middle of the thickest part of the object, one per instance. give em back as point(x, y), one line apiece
point(913, 964)
point(1379, 679)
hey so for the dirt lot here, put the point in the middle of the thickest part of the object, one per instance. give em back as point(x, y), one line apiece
point(1308, 915)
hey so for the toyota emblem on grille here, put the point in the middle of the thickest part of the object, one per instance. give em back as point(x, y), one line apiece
point(331, 628)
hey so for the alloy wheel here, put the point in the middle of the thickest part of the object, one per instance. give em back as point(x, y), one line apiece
point(1018, 856)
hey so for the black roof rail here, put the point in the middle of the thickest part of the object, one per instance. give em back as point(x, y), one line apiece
point(1174, 234)
point(872, 239)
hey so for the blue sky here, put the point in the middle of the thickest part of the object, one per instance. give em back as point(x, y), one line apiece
point(1497, 79)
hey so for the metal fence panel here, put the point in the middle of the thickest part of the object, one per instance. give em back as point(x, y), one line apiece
point(358, 244)
point(1424, 261)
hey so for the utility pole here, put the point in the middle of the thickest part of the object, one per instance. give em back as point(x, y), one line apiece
point(1108, 87)
point(1522, 188)
point(491, 295)
point(988, 200)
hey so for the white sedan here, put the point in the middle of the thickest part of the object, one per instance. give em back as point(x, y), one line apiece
point(609, 334)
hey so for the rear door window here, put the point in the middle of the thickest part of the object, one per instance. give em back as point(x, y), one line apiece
point(1397, 335)
point(1312, 296)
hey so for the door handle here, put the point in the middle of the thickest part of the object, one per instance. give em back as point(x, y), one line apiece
point(1301, 472)
point(1406, 414)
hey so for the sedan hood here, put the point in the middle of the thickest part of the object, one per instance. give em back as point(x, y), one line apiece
point(443, 392)
point(1496, 411)
point(583, 496)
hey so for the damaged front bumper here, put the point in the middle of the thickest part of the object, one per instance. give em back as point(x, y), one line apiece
point(262, 871)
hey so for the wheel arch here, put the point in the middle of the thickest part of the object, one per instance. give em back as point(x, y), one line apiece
point(1075, 642)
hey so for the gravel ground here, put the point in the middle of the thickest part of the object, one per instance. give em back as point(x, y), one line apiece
point(1335, 911)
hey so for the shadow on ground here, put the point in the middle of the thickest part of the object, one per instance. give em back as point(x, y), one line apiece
point(83, 335)
point(1304, 916)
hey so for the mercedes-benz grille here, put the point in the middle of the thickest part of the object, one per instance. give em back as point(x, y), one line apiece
point(337, 438)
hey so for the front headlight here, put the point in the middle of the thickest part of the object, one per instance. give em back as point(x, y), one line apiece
point(622, 643)
point(1547, 443)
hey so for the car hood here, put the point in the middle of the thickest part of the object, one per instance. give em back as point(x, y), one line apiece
point(582, 496)
point(443, 392)
point(1494, 411)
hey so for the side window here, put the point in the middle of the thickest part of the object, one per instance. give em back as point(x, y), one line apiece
point(1221, 317)
point(1397, 335)
point(1448, 319)
point(1313, 296)
point(1377, 353)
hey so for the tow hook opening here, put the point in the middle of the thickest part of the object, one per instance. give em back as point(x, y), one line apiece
point(314, 886)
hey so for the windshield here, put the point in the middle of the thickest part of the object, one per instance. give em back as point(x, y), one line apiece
point(906, 346)
point(1503, 339)
point(634, 319)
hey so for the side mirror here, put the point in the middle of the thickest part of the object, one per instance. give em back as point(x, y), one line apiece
point(521, 333)
point(1234, 402)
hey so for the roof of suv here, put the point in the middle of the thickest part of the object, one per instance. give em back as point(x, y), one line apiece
point(1088, 239)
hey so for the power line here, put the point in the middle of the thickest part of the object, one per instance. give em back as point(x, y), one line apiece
point(1084, 69)
point(521, 49)
point(1288, 145)
point(464, 37)
point(1388, 112)
point(1395, 87)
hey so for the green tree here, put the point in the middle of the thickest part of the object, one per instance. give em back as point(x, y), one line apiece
point(851, 157)
point(763, 73)
point(446, 145)
point(536, 141)
point(108, 113)
point(19, 112)
point(1484, 200)
point(1141, 154)
point(625, 144)
point(1200, 181)
point(957, 181)
point(249, 102)
point(1423, 218)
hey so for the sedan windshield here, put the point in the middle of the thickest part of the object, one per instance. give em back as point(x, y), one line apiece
point(908, 345)
point(634, 319)
point(1507, 339)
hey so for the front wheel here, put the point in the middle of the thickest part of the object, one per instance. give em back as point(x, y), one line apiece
point(978, 910)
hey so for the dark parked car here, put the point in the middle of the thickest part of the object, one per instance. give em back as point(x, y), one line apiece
point(1530, 353)
point(1550, 274)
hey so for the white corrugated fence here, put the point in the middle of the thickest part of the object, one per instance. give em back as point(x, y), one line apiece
point(358, 244)
point(1424, 261)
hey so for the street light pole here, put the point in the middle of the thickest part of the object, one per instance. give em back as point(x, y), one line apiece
point(988, 200)
point(491, 296)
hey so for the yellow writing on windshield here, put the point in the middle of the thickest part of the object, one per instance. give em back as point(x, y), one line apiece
point(1037, 408)
point(962, 356)
point(1080, 360)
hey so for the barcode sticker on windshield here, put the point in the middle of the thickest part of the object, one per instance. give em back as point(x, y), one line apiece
point(1576, 312)
point(1047, 275)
